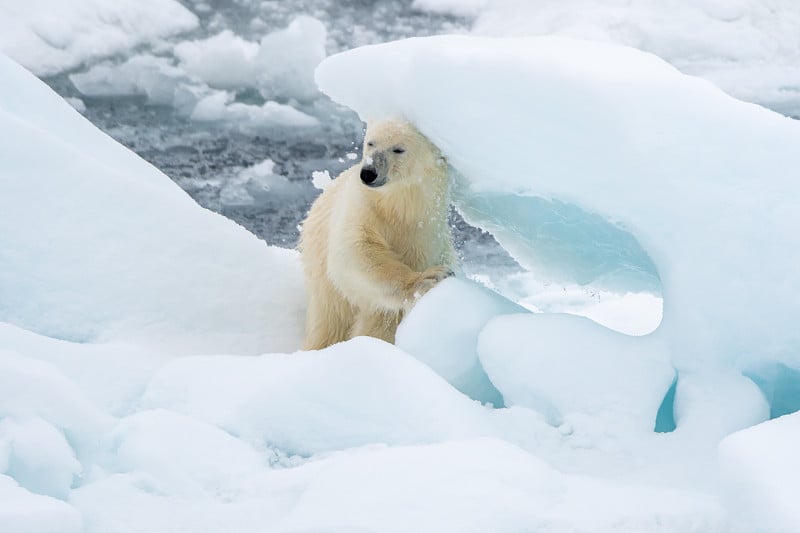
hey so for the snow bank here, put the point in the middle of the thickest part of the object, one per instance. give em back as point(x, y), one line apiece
point(448, 343)
point(698, 178)
point(484, 485)
point(40, 458)
point(48, 36)
point(750, 48)
point(118, 251)
point(25, 512)
point(759, 468)
point(566, 366)
point(104, 377)
point(348, 395)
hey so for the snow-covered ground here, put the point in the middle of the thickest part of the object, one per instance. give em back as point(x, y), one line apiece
point(749, 48)
point(149, 378)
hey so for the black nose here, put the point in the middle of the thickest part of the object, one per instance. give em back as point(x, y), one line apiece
point(368, 175)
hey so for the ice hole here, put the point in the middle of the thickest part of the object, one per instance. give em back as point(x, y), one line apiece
point(780, 385)
point(665, 417)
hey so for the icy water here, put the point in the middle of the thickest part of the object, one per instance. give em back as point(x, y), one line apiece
point(205, 158)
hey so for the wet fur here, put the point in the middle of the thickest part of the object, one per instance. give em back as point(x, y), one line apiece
point(369, 253)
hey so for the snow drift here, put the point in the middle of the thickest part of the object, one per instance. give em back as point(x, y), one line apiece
point(95, 243)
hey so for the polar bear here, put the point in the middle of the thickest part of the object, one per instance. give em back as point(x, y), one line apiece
point(377, 238)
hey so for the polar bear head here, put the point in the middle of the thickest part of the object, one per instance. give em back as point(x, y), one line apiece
point(396, 154)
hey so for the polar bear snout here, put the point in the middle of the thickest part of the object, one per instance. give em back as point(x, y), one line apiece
point(369, 176)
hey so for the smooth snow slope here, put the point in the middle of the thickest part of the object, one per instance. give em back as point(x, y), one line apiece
point(707, 184)
point(95, 243)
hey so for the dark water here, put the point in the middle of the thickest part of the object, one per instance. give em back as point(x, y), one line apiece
point(205, 158)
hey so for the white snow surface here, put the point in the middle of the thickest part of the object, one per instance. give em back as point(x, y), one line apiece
point(564, 365)
point(116, 251)
point(749, 48)
point(148, 373)
point(706, 184)
point(759, 465)
point(49, 36)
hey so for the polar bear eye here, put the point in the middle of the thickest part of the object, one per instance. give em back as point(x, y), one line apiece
point(371, 144)
point(398, 149)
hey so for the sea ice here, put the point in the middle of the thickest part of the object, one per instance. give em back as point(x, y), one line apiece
point(750, 48)
point(351, 394)
point(695, 176)
point(485, 485)
point(564, 365)
point(50, 36)
point(118, 251)
point(449, 346)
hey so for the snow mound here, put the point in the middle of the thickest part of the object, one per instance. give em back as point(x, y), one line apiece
point(26, 512)
point(350, 394)
point(48, 36)
point(566, 366)
point(759, 469)
point(118, 251)
point(704, 183)
point(447, 343)
point(455, 486)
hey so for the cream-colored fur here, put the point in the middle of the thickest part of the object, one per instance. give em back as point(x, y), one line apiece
point(370, 252)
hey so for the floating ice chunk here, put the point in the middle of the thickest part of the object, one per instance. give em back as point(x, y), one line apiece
point(564, 365)
point(287, 59)
point(223, 61)
point(220, 107)
point(48, 36)
point(255, 184)
point(312, 402)
point(442, 331)
point(464, 8)
point(25, 512)
point(759, 467)
point(142, 75)
point(77, 103)
point(321, 179)
point(281, 66)
point(40, 458)
point(123, 254)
